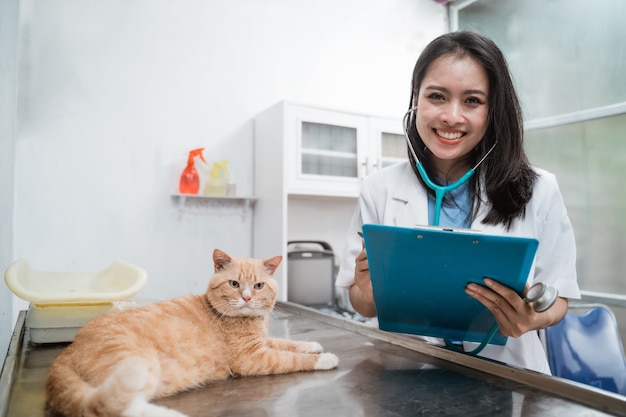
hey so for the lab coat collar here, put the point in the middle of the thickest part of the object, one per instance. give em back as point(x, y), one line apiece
point(414, 199)
point(412, 194)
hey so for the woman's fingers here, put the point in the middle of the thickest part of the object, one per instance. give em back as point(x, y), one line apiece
point(514, 316)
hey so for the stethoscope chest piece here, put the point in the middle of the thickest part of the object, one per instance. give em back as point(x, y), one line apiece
point(542, 296)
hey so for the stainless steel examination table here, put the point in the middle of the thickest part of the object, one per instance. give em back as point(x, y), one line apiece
point(379, 374)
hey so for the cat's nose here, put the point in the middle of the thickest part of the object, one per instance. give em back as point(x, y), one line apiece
point(246, 298)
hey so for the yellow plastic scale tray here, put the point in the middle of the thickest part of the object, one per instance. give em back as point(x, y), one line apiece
point(119, 281)
point(62, 302)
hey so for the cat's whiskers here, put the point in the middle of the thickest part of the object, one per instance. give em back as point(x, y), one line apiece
point(276, 309)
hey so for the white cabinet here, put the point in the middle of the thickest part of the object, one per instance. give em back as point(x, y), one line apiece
point(311, 161)
point(328, 152)
point(325, 152)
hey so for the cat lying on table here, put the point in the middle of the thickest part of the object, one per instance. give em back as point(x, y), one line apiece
point(121, 360)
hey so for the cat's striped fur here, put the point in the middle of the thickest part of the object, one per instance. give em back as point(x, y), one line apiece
point(121, 360)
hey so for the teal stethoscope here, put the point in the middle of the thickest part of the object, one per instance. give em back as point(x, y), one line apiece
point(541, 295)
point(440, 190)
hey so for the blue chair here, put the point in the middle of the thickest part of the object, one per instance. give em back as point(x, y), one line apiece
point(587, 348)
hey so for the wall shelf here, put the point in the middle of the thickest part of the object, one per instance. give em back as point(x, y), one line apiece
point(210, 204)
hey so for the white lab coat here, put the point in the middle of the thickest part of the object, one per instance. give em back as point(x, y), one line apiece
point(394, 196)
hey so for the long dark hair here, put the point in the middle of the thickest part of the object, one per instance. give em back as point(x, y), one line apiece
point(506, 175)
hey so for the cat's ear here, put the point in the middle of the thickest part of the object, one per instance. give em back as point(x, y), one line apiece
point(272, 263)
point(220, 259)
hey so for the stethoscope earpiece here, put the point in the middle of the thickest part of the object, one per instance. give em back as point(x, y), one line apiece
point(542, 296)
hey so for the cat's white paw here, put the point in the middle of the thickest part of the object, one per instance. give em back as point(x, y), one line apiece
point(326, 361)
point(312, 347)
point(141, 408)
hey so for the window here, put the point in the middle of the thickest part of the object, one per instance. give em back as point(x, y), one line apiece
point(568, 60)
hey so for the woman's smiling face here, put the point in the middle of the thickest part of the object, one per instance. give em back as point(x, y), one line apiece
point(452, 108)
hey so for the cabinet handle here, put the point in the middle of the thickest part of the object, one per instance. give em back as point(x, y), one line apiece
point(364, 171)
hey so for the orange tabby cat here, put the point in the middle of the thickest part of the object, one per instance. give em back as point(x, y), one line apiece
point(121, 360)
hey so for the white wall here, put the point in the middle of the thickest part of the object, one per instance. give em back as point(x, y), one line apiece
point(113, 93)
point(8, 112)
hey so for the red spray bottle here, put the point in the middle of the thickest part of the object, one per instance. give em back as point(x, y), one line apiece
point(189, 180)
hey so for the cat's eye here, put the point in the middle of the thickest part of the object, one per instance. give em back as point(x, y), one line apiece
point(233, 283)
point(259, 285)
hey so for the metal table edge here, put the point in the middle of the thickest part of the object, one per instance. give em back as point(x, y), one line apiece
point(580, 393)
point(598, 399)
point(9, 368)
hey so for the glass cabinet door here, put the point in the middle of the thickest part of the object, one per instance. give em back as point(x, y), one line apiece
point(329, 150)
point(388, 143)
point(393, 149)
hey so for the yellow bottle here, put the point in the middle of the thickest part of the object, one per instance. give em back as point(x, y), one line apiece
point(216, 183)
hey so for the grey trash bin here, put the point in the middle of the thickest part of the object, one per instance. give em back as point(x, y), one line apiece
point(311, 273)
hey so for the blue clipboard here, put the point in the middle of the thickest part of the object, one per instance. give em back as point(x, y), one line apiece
point(419, 277)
